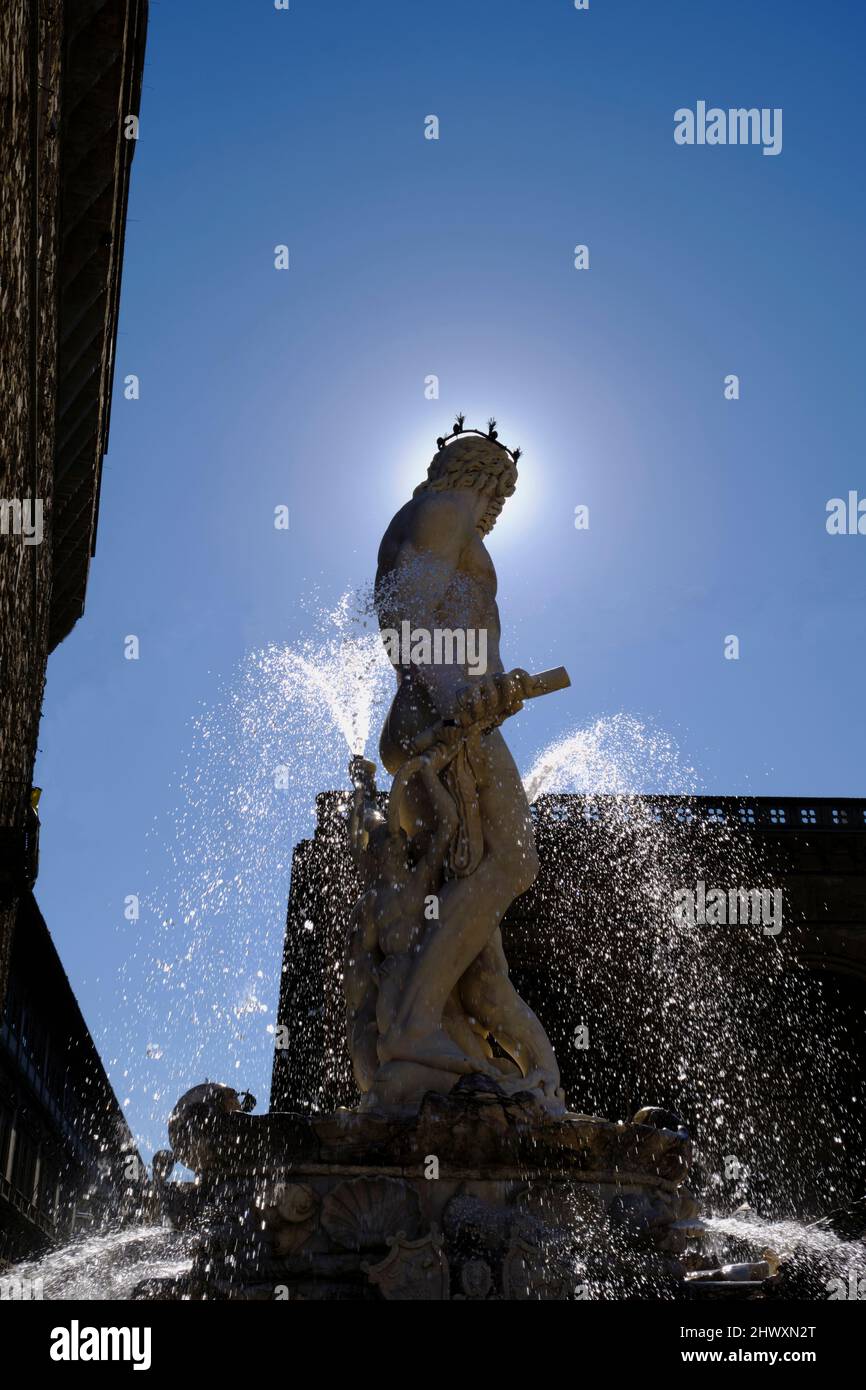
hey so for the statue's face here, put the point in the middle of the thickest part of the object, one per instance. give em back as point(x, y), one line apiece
point(490, 514)
point(499, 490)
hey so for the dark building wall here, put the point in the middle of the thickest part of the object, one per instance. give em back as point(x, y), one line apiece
point(311, 1069)
point(757, 1039)
point(30, 88)
point(67, 1158)
point(70, 73)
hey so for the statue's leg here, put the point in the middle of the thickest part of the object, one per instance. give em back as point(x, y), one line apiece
point(471, 908)
point(471, 1039)
point(489, 996)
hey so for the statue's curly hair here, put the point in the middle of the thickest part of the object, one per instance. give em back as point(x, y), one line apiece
point(473, 462)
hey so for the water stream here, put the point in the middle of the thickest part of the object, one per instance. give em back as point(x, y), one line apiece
point(108, 1265)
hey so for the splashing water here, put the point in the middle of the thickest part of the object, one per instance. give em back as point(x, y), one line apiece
point(107, 1266)
point(333, 682)
point(281, 730)
point(816, 1262)
point(791, 1237)
point(617, 754)
point(719, 1023)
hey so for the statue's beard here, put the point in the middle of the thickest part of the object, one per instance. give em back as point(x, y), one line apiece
point(488, 520)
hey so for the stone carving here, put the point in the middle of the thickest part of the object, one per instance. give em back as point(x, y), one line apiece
point(428, 992)
point(476, 1281)
point(367, 1212)
point(413, 1271)
point(301, 1202)
point(198, 1117)
point(544, 1210)
point(290, 1216)
point(529, 1273)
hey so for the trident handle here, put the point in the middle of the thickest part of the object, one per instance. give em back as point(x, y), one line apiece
point(546, 682)
point(529, 688)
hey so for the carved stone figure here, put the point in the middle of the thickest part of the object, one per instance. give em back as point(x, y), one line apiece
point(429, 996)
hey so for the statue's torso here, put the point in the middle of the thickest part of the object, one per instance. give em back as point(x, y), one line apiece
point(468, 600)
point(414, 593)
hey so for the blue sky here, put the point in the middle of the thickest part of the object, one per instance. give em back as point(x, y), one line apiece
point(454, 257)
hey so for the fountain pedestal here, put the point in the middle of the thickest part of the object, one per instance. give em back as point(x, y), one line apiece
point(475, 1196)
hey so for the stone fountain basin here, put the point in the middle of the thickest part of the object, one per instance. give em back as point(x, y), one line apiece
point(467, 1135)
point(474, 1191)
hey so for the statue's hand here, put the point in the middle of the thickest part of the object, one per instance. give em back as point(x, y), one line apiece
point(479, 703)
point(513, 686)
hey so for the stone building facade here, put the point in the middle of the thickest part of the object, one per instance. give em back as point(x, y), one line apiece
point(70, 74)
point(30, 52)
point(68, 1161)
point(70, 79)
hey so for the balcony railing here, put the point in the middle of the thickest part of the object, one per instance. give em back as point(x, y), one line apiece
point(26, 1207)
point(764, 813)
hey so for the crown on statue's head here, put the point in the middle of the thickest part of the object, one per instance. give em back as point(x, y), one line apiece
point(459, 431)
